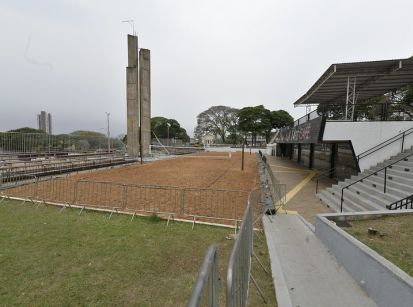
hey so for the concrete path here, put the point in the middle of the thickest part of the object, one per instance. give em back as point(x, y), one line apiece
point(304, 272)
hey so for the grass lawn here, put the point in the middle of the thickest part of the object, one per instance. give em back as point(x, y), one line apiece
point(51, 258)
point(394, 241)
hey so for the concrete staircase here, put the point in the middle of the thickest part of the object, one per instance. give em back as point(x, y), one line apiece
point(368, 195)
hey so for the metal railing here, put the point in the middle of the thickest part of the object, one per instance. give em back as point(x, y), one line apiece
point(306, 118)
point(362, 112)
point(402, 204)
point(367, 111)
point(400, 136)
point(278, 190)
point(177, 150)
point(373, 174)
point(329, 173)
point(207, 286)
point(218, 206)
point(42, 142)
point(58, 165)
point(239, 265)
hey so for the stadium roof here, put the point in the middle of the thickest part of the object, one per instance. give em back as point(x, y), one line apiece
point(372, 79)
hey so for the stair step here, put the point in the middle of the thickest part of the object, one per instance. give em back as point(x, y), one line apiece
point(390, 183)
point(363, 200)
point(366, 192)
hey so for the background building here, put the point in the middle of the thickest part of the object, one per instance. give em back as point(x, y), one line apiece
point(44, 122)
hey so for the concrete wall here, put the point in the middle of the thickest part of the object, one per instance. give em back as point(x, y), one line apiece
point(365, 135)
point(384, 282)
point(132, 97)
point(145, 99)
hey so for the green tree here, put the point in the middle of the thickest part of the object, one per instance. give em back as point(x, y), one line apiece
point(159, 125)
point(27, 130)
point(256, 121)
point(281, 119)
point(217, 120)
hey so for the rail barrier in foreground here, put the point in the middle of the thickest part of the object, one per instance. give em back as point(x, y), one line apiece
point(207, 286)
point(239, 267)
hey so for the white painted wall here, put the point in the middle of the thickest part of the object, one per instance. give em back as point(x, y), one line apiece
point(365, 135)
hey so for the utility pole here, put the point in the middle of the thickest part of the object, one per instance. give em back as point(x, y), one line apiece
point(108, 132)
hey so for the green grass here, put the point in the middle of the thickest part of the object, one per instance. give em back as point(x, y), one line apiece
point(394, 241)
point(51, 258)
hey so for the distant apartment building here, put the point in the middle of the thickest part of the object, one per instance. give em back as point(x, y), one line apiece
point(44, 122)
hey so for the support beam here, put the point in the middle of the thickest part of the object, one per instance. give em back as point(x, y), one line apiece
point(311, 157)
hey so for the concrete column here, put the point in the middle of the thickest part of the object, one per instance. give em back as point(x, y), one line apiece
point(311, 157)
point(145, 99)
point(132, 96)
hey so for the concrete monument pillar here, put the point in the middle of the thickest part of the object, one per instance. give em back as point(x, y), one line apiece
point(132, 97)
point(145, 99)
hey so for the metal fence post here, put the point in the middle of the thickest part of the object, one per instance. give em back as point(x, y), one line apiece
point(75, 192)
point(182, 197)
point(125, 196)
point(403, 140)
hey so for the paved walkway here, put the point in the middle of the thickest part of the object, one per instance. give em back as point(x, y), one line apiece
point(312, 276)
point(300, 189)
point(304, 272)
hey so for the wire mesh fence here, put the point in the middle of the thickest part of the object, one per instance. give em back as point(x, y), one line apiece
point(206, 205)
point(12, 142)
point(58, 165)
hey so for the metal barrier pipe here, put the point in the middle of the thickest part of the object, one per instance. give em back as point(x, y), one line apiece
point(239, 265)
point(207, 286)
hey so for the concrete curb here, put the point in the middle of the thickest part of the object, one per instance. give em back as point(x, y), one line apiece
point(282, 293)
point(384, 282)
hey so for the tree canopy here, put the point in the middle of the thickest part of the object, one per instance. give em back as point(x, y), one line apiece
point(255, 120)
point(159, 125)
point(281, 118)
point(27, 130)
point(217, 120)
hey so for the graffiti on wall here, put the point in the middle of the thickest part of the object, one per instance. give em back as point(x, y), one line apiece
point(309, 132)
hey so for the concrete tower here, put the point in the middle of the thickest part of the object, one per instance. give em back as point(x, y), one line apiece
point(145, 99)
point(132, 96)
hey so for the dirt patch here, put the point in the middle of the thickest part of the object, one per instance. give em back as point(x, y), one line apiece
point(206, 186)
point(209, 170)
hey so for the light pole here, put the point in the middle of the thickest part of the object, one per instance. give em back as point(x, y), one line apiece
point(132, 23)
point(107, 118)
point(168, 125)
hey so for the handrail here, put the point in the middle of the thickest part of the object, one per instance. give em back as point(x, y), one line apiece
point(399, 204)
point(383, 144)
point(374, 173)
point(324, 173)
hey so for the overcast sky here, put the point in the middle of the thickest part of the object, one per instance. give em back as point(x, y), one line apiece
point(68, 57)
